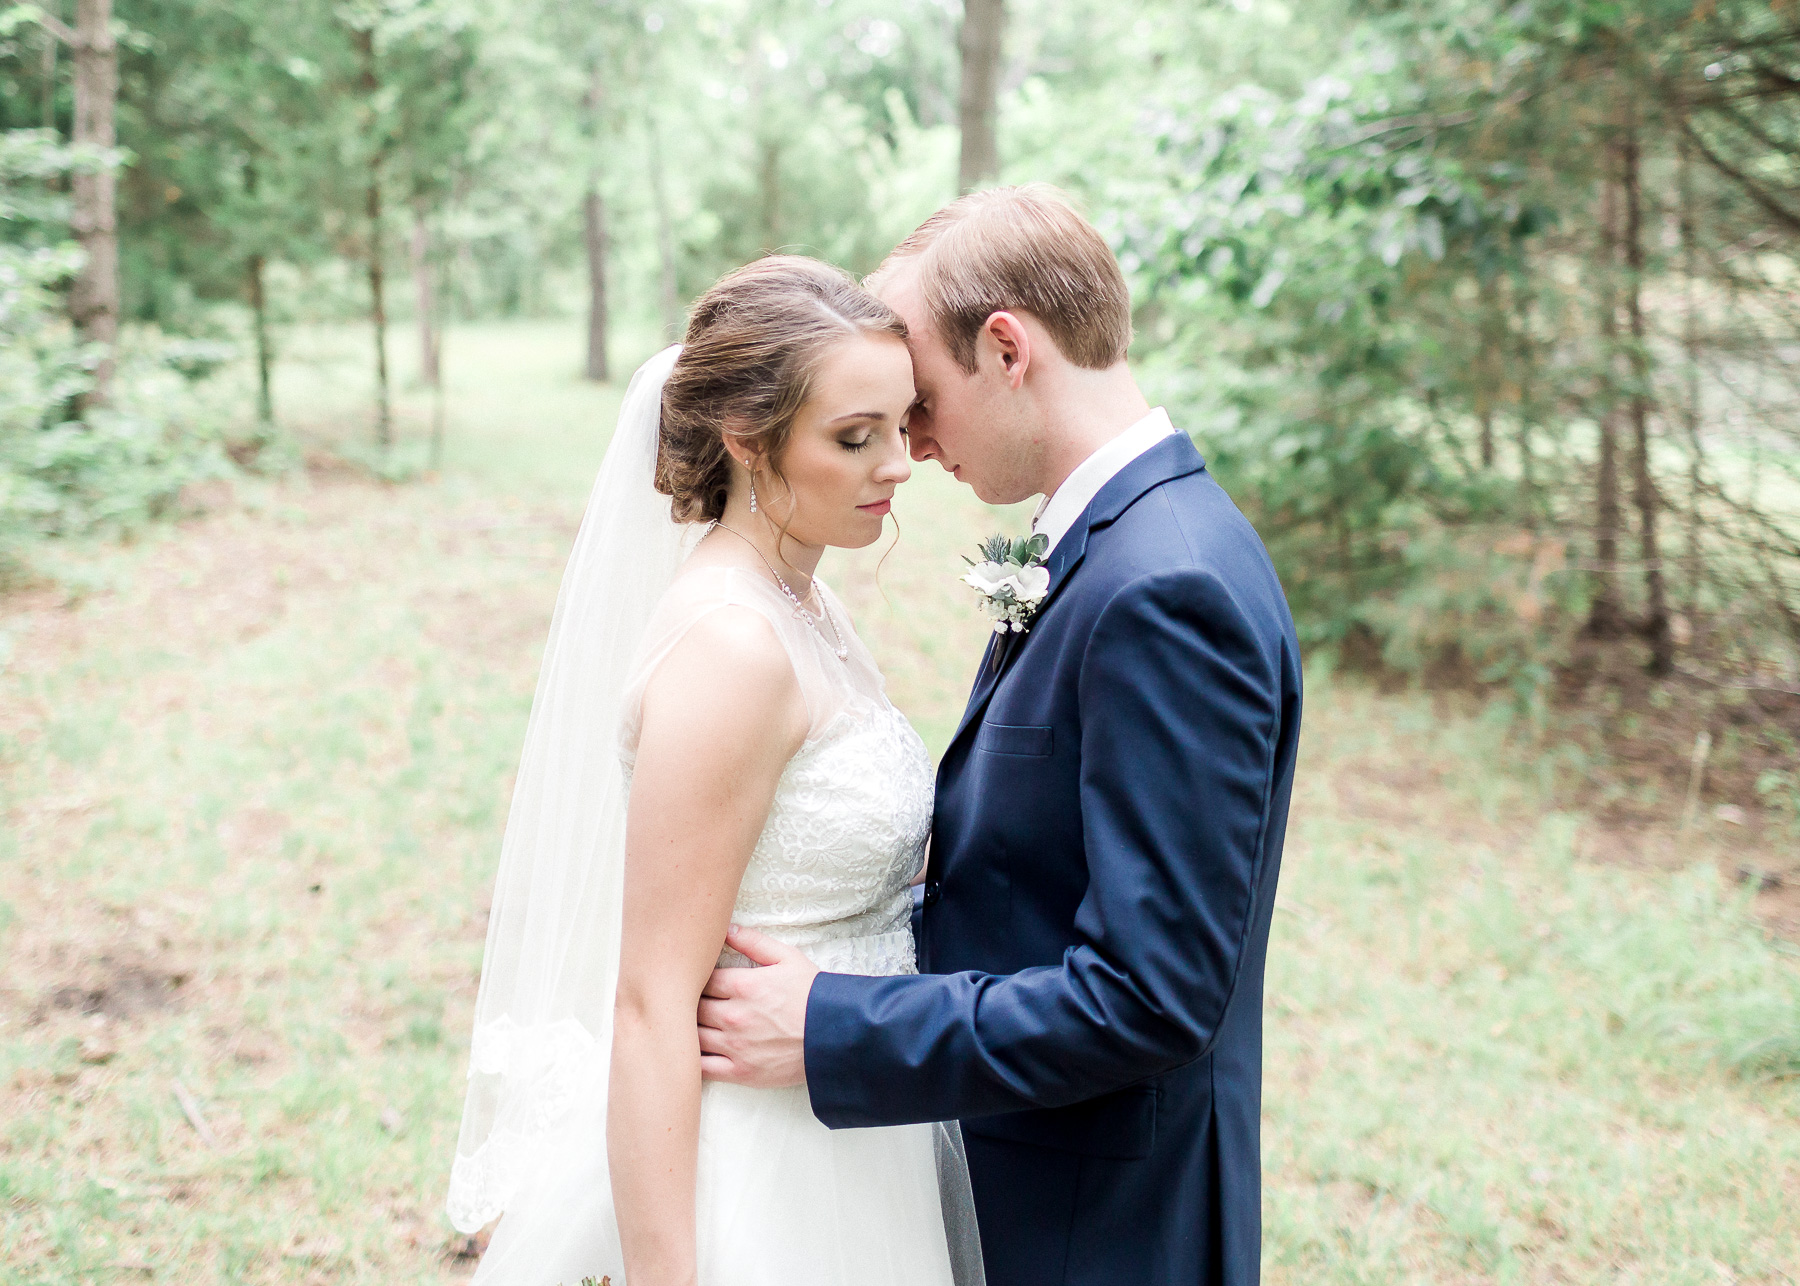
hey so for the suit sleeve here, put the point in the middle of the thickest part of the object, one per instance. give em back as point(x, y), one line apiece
point(1180, 711)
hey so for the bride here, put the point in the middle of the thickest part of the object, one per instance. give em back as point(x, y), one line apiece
point(710, 744)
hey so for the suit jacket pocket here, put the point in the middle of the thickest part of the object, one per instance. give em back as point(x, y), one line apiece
point(1013, 739)
point(1120, 1126)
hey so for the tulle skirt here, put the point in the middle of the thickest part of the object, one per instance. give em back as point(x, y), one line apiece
point(780, 1200)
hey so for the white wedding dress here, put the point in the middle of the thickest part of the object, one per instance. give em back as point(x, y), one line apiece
point(782, 1201)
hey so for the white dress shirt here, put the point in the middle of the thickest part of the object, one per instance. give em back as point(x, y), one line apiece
point(1058, 512)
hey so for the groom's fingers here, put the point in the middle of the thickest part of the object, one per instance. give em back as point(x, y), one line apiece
point(759, 947)
point(722, 985)
point(712, 1014)
point(715, 1068)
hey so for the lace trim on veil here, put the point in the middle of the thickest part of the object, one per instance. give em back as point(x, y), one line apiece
point(544, 1009)
point(534, 1075)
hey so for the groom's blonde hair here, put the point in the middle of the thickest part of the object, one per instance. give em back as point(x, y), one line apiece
point(1018, 249)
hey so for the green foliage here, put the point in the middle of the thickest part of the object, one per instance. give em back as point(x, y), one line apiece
point(1292, 272)
point(1376, 249)
point(1020, 551)
point(1388, 302)
point(731, 130)
point(110, 469)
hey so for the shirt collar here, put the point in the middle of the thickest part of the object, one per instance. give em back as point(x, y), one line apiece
point(1056, 513)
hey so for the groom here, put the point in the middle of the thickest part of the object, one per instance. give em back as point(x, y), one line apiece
point(1109, 815)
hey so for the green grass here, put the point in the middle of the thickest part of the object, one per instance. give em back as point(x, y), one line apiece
point(520, 420)
point(1492, 1060)
point(253, 783)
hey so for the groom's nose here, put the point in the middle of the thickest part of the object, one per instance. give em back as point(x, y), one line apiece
point(919, 442)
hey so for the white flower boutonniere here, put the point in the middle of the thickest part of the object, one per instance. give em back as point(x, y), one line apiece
point(1011, 579)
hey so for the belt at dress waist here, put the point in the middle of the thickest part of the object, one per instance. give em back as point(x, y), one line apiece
point(875, 955)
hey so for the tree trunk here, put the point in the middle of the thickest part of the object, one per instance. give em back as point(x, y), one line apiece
point(428, 299)
point(593, 225)
point(94, 297)
point(1655, 624)
point(979, 108)
point(979, 42)
point(384, 421)
point(259, 321)
point(1525, 356)
point(1605, 615)
point(1488, 366)
point(48, 70)
point(667, 293)
point(259, 316)
point(1690, 347)
point(594, 235)
point(424, 298)
point(384, 424)
point(437, 398)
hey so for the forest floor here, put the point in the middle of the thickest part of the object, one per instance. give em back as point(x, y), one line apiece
point(253, 773)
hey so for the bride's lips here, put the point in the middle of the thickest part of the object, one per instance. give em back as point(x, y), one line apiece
point(880, 508)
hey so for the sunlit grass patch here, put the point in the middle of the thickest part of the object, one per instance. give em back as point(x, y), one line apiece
point(1491, 1060)
point(295, 809)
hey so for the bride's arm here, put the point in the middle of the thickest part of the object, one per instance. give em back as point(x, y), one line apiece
point(722, 716)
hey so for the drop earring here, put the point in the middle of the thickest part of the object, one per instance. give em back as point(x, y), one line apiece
point(753, 494)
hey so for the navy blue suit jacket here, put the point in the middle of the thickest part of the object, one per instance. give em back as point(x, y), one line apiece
point(1103, 864)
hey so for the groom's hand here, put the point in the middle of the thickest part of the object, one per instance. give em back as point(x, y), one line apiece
point(753, 1021)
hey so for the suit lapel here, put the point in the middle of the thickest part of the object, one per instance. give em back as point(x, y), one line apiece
point(992, 662)
point(1174, 457)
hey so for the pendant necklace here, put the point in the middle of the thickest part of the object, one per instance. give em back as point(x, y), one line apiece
point(839, 646)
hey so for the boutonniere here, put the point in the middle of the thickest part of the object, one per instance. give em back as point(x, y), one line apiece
point(1011, 579)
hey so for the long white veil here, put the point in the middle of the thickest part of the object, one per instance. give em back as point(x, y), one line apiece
point(543, 1018)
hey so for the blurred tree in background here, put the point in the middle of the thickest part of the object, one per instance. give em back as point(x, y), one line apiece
point(1492, 324)
point(1484, 314)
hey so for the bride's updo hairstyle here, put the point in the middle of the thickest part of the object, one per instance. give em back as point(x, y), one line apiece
point(746, 368)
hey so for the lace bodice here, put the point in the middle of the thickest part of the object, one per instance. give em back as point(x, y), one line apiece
point(848, 825)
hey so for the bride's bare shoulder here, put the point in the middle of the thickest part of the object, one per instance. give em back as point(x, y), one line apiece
point(728, 649)
point(739, 636)
point(727, 682)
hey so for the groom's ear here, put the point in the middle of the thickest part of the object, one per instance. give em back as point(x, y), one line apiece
point(1011, 343)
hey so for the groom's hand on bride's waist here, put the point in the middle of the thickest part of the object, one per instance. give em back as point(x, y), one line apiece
point(753, 1021)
